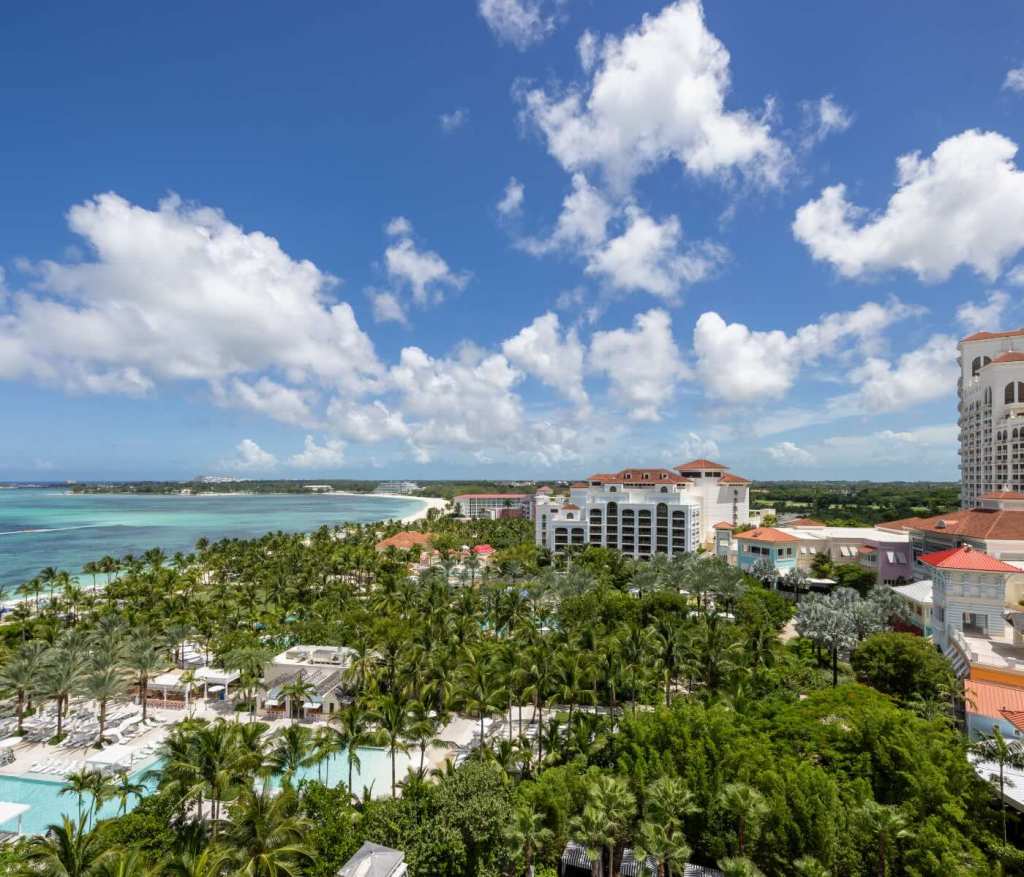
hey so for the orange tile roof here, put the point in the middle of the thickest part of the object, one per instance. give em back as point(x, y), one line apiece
point(1008, 357)
point(701, 464)
point(580, 484)
point(722, 525)
point(991, 698)
point(730, 478)
point(1002, 494)
point(767, 534)
point(633, 476)
point(1014, 717)
point(988, 336)
point(805, 522)
point(571, 507)
point(969, 523)
point(405, 540)
point(545, 489)
point(966, 558)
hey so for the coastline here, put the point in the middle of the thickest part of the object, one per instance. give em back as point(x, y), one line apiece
point(429, 502)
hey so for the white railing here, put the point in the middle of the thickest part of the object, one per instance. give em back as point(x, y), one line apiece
point(960, 642)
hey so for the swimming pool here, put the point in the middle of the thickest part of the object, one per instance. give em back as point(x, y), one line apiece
point(48, 804)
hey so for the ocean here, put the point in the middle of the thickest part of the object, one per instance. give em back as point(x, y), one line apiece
point(42, 527)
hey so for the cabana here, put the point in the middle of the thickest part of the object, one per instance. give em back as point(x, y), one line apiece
point(11, 810)
point(215, 681)
point(112, 759)
point(170, 688)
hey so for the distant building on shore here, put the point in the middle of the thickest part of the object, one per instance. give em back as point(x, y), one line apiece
point(404, 488)
point(493, 505)
point(216, 479)
point(318, 488)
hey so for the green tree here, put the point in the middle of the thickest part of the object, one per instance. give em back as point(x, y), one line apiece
point(528, 834)
point(903, 665)
point(66, 850)
point(748, 807)
point(1005, 753)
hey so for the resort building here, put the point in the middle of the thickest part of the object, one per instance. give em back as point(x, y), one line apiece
point(991, 414)
point(917, 600)
point(989, 705)
point(403, 488)
point(885, 552)
point(405, 541)
point(977, 619)
point(643, 511)
point(319, 668)
point(493, 505)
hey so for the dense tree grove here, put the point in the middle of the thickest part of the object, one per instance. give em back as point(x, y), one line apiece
point(857, 504)
point(675, 722)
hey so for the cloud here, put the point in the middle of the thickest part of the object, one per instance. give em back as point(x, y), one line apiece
point(926, 373)
point(398, 226)
point(314, 456)
point(641, 255)
point(647, 257)
point(790, 454)
point(927, 445)
point(822, 118)
point(368, 423)
point(1016, 275)
point(425, 273)
point(1014, 80)
point(267, 397)
point(251, 457)
point(696, 447)
point(656, 94)
point(540, 350)
point(962, 205)
point(642, 364)
point(984, 317)
point(387, 307)
point(740, 364)
point(179, 293)
point(454, 120)
point(512, 201)
point(521, 23)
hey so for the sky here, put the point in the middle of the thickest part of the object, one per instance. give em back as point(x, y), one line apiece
point(501, 238)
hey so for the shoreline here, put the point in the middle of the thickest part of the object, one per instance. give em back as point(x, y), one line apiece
point(429, 502)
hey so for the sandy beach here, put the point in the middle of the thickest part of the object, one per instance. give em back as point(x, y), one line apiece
point(429, 502)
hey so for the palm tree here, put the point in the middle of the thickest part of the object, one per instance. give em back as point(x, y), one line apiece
point(590, 828)
point(80, 783)
point(528, 833)
point(19, 677)
point(1005, 753)
point(292, 751)
point(125, 788)
point(144, 657)
point(479, 689)
point(392, 717)
point(423, 729)
point(209, 862)
point(266, 834)
point(296, 693)
point(126, 863)
point(748, 806)
point(105, 681)
point(657, 842)
point(808, 866)
point(888, 825)
point(66, 850)
point(62, 676)
point(739, 866)
point(617, 805)
point(353, 733)
point(220, 763)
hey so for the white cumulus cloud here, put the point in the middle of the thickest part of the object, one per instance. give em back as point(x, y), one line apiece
point(985, 317)
point(642, 364)
point(424, 272)
point(1014, 80)
point(521, 23)
point(961, 206)
point(386, 307)
point(656, 94)
point(790, 454)
point(823, 117)
point(313, 456)
point(251, 457)
point(267, 397)
point(454, 120)
point(541, 350)
point(512, 201)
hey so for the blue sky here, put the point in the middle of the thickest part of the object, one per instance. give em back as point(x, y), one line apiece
point(501, 237)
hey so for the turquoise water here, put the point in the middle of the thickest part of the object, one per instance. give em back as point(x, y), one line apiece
point(48, 804)
point(42, 527)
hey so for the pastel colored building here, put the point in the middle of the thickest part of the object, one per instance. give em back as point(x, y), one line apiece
point(991, 705)
point(768, 544)
point(917, 600)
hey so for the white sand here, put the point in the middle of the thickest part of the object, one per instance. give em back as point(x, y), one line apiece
point(429, 502)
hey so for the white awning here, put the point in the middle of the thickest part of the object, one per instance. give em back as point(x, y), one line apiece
point(112, 756)
point(12, 810)
point(270, 701)
point(215, 688)
point(308, 705)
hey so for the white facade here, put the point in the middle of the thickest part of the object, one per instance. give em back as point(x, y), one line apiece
point(399, 487)
point(991, 410)
point(643, 511)
point(478, 505)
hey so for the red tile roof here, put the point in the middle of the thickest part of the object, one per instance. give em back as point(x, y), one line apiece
point(635, 476)
point(767, 534)
point(579, 484)
point(701, 464)
point(405, 540)
point(991, 698)
point(805, 522)
point(987, 336)
point(966, 558)
point(483, 549)
point(729, 478)
point(1003, 494)
point(868, 549)
point(571, 507)
point(1008, 357)
point(969, 523)
point(722, 525)
point(1014, 717)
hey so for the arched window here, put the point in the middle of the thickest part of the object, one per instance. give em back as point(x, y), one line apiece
point(988, 395)
point(612, 489)
point(976, 365)
point(1008, 394)
point(664, 489)
point(612, 509)
point(1020, 391)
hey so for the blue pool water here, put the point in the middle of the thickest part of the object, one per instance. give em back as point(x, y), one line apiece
point(42, 527)
point(48, 804)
